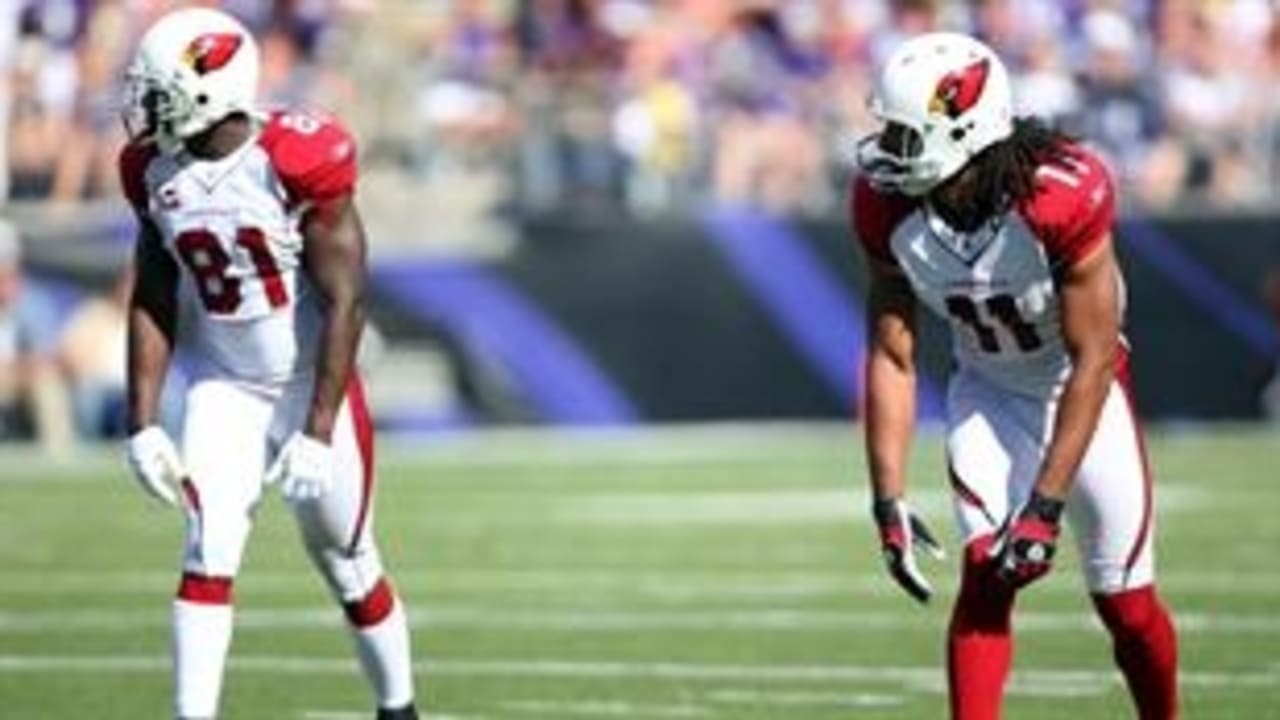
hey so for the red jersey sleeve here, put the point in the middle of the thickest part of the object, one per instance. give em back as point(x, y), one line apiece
point(1073, 207)
point(132, 163)
point(314, 156)
point(873, 216)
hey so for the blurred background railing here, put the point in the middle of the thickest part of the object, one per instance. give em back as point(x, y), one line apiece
point(607, 211)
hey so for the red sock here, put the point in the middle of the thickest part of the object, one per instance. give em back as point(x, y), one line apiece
point(980, 644)
point(1146, 649)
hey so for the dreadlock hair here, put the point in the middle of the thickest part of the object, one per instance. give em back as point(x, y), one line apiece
point(1004, 173)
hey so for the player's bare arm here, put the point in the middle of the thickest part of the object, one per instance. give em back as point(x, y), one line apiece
point(890, 422)
point(334, 259)
point(890, 379)
point(152, 322)
point(1090, 319)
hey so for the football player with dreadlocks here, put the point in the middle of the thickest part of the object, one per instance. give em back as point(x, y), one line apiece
point(1003, 227)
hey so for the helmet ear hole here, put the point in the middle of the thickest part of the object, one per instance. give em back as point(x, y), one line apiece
point(957, 134)
point(202, 99)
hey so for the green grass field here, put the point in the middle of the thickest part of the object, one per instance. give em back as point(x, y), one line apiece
point(689, 573)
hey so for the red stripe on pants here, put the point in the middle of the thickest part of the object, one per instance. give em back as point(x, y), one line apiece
point(363, 423)
point(1125, 378)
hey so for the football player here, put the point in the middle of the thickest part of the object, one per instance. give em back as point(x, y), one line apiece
point(1003, 227)
point(251, 257)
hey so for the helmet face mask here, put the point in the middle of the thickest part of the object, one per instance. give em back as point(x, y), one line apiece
point(894, 160)
point(153, 111)
point(943, 98)
point(193, 68)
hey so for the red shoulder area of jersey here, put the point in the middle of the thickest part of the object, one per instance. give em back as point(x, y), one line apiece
point(874, 215)
point(132, 163)
point(313, 154)
point(1073, 207)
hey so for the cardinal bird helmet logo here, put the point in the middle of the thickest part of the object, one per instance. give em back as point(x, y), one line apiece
point(211, 51)
point(959, 90)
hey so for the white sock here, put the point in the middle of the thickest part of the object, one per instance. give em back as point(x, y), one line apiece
point(384, 655)
point(201, 638)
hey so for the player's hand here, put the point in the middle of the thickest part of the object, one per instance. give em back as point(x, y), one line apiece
point(902, 534)
point(1024, 548)
point(155, 463)
point(304, 468)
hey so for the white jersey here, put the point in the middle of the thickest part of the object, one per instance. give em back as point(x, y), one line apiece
point(997, 287)
point(247, 312)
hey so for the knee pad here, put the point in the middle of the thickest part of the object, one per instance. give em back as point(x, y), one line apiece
point(351, 576)
point(214, 542)
point(981, 604)
point(1128, 613)
point(373, 608)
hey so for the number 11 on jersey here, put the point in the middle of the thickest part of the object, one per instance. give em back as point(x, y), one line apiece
point(1002, 309)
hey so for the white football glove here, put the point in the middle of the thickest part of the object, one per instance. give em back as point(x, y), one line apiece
point(902, 535)
point(304, 468)
point(155, 463)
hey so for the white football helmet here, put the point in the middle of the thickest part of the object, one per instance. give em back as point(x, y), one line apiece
point(943, 97)
point(192, 68)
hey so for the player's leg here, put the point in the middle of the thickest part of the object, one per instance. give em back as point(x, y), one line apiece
point(990, 457)
point(337, 531)
point(1111, 514)
point(224, 447)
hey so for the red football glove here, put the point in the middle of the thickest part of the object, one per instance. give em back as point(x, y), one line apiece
point(902, 533)
point(1024, 547)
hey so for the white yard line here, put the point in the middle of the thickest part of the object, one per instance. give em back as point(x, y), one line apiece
point(724, 507)
point(611, 621)
point(804, 698)
point(735, 443)
point(600, 708)
point(918, 678)
point(765, 506)
point(364, 715)
point(778, 443)
point(673, 585)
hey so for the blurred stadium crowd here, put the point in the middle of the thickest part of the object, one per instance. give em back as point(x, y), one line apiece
point(656, 104)
point(475, 112)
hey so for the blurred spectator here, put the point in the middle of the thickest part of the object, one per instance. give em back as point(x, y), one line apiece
point(765, 151)
point(42, 83)
point(466, 101)
point(8, 52)
point(1266, 93)
point(1207, 103)
point(655, 127)
point(1044, 85)
point(296, 42)
point(92, 351)
point(656, 104)
point(901, 20)
point(33, 401)
point(1122, 111)
point(570, 58)
point(87, 153)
